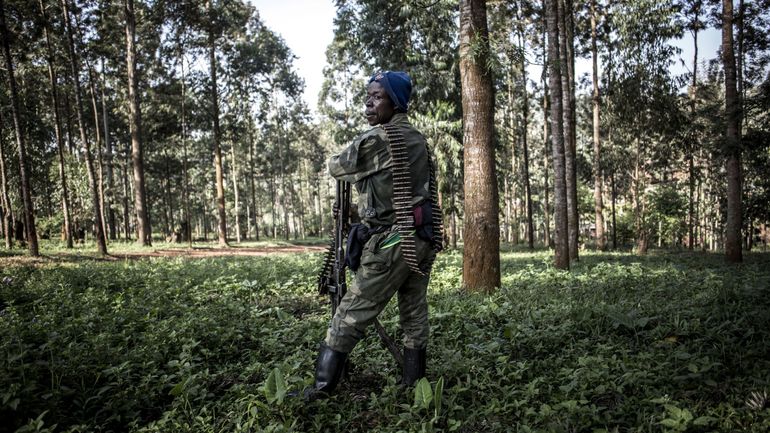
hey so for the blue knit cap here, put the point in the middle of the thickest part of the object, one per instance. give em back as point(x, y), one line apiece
point(398, 85)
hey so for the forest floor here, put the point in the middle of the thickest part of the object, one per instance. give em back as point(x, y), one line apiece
point(168, 341)
point(56, 253)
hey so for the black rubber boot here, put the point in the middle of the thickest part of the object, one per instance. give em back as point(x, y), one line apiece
point(414, 365)
point(328, 371)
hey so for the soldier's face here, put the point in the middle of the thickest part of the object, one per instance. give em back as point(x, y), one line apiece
point(379, 108)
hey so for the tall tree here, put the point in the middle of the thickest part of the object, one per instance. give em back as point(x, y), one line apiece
point(561, 240)
point(567, 59)
point(732, 146)
point(601, 242)
point(29, 209)
point(596, 102)
point(481, 257)
point(143, 230)
point(219, 180)
point(5, 199)
point(65, 200)
point(101, 241)
point(694, 26)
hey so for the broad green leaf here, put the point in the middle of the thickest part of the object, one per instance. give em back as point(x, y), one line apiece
point(423, 394)
point(668, 422)
point(437, 396)
point(704, 420)
point(275, 387)
point(176, 391)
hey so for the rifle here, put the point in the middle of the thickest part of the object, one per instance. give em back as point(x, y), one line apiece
point(332, 279)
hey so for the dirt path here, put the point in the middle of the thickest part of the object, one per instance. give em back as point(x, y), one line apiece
point(195, 252)
point(219, 252)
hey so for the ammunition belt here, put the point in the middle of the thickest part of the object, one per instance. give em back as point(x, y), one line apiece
point(402, 201)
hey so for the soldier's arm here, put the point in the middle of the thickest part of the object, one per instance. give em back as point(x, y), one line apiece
point(367, 155)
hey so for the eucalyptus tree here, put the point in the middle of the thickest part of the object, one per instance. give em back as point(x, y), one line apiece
point(21, 145)
point(144, 232)
point(481, 255)
point(567, 59)
point(561, 239)
point(601, 241)
point(5, 199)
point(101, 241)
point(53, 79)
point(509, 24)
point(645, 112)
point(732, 146)
point(693, 10)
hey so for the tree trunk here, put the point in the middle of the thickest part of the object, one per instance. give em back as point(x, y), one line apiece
point(237, 209)
point(691, 149)
point(640, 216)
point(126, 194)
point(614, 222)
point(481, 256)
point(101, 241)
point(568, 114)
point(5, 199)
point(99, 139)
point(513, 216)
point(29, 209)
point(109, 195)
point(143, 228)
point(187, 228)
point(546, 140)
point(525, 146)
point(220, 183)
point(601, 242)
point(561, 239)
point(732, 149)
point(253, 187)
point(65, 202)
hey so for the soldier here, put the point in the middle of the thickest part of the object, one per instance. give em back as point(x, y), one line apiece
point(377, 248)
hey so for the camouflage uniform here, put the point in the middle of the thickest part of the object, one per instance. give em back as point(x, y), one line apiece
point(366, 163)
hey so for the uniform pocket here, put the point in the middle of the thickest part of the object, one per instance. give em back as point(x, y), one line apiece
point(373, 258)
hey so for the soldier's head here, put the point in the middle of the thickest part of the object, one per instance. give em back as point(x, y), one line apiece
point(386, 94)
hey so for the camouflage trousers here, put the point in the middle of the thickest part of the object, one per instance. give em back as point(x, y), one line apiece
point(382, 274)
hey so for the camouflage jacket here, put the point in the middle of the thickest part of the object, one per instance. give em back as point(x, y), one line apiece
point(366, 163)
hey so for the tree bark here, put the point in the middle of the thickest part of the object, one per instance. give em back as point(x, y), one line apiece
point(561, 238)
point(237, 209)
point(101, 241)
point(733, 253)
point(481, 256)
point(220, 184)
point(253, 186)
point(601, 242)
point(126, 194)
point(512, 211)
point(568, 114)
point(691, 148)
point(109, 194)
point(5, 198)
point(65, 201)
point(143, 228)
point(185, 172)
point(546, 140)
point(525, 145)
point(29, 209)
point(614, 222)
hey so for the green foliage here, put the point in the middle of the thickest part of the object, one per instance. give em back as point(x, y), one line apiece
point(662, 343)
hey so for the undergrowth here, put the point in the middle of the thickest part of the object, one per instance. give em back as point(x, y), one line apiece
point(663, 343)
